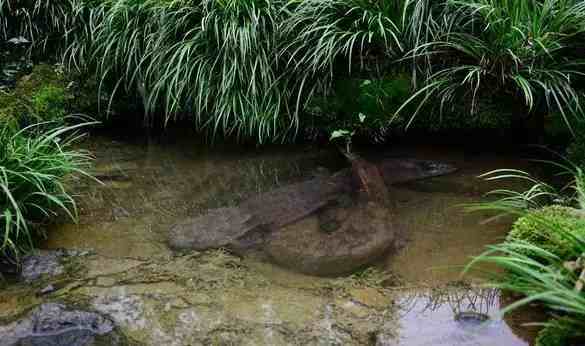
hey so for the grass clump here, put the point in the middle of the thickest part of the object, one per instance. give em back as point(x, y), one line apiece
point(526, 51)
point(34, 163)
point(36, 157)
point(215, 61)
point(543, 256)
point(42, 23)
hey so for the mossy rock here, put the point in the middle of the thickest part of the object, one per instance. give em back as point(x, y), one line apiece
point(39, 96)
point(540, 227)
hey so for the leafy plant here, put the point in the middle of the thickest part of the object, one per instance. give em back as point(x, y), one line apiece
point(540, 275)
point(347, 135)
point(543, 255)
point(524, 50)
point(362, 36)
point(212, 60)
point(43, 23)
point(537, 195)
point(33, 166)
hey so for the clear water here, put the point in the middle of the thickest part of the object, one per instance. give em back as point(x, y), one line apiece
point(148, 187)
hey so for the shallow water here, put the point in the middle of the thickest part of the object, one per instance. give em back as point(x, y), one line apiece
point(133, 276)
point(441, 238)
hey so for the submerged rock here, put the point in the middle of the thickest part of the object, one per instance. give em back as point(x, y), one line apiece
point(364, 233)
point(399, 170)
point(300, 226)
point(54, 324)
point(222, 227)
point(245, 226)
point(42, 264)
point(471, 318)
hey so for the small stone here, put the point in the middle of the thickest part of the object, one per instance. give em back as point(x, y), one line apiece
point(47, 289)
point(471, 317)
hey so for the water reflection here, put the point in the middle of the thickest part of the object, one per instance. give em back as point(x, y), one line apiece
point(459, 315)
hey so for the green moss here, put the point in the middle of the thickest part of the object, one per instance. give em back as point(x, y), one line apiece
point(42, 75)
point(560, 332)
point(538, 227)
point(40, 96)
point(50, 102)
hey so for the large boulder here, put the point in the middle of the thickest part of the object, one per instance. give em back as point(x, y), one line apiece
point(336, 241)
point(289, 222)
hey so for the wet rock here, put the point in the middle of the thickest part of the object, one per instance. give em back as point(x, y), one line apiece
point(364, 234)
point(222, 227)
point(47, 263)
point(42, 264)
point(245, 226)
point(54, 324)
point(471, 318)
point(402, 170)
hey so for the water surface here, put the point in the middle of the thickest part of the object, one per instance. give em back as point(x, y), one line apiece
point(412, 298)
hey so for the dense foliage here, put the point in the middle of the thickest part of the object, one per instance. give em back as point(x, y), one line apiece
point(530, 51)
point(33, 165)
point(264, 69)
point(36, 157)
point(211, 60)
point(259, 68)
point(543, 255)
point(45, 23)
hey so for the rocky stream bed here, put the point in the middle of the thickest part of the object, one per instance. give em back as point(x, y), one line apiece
point(113, 279)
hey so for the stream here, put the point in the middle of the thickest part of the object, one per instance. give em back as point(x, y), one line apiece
point(116, 262)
